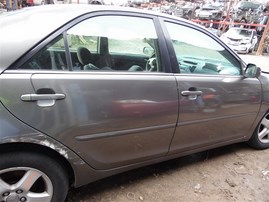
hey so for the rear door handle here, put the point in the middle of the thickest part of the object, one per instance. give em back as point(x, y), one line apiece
point(36, 97)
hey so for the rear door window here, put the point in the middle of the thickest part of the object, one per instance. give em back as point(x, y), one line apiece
point(117, 42)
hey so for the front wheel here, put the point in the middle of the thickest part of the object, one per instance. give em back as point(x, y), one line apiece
point(260, 137)
point(27, 176)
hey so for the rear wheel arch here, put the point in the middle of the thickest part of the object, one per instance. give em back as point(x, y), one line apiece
point(41, 150)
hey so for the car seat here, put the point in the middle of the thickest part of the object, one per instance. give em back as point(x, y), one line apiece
point(85, 58)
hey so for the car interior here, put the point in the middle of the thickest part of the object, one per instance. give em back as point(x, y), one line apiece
point(53, 57)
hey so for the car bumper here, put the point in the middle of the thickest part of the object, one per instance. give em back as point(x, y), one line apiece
point(240, 48)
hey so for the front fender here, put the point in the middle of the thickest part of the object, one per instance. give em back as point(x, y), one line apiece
point(264, 80)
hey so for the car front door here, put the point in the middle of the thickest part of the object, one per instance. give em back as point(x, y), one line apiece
point(217, 104)
point(110, 116)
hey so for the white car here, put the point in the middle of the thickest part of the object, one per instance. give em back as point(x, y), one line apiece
point(209, 12)
point(241, 40)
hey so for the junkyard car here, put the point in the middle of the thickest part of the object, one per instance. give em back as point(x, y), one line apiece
point(209, 12)
point(247, 11)
point(184, 11)
point(90, 91)
point(241, 40)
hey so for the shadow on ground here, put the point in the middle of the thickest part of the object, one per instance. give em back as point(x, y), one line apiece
point(135, 176)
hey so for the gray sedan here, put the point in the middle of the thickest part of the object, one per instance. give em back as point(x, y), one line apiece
point(90, 91)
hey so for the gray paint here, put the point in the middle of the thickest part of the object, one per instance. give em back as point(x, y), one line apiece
point(103, 114)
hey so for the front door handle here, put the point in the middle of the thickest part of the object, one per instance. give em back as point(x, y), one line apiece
point(36, 97)
point(188, 93)
point(192, 94)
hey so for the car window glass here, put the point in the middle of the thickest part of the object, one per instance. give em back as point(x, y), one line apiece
point(77, 40)
point(51, 57)
point(120, 43)
point(199, 53)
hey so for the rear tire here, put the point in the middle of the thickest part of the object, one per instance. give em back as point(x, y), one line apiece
point(260, 137)
point(27, 176)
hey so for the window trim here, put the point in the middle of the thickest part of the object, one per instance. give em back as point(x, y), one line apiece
point(161, 41)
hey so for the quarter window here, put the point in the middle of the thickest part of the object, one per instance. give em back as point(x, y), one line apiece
point(199, 53)
point(51, 57)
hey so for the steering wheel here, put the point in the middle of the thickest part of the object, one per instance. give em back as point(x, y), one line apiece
point(151, 64)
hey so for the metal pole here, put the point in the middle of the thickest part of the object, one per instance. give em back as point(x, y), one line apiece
point(8, 5)
point(14, 7)
point(227, 16)
point(260, 48)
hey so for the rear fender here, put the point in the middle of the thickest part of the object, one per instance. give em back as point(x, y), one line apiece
point(13, 131)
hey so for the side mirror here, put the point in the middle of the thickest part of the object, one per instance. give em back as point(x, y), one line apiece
point(252, 71)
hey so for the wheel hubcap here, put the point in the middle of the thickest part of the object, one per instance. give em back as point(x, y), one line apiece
point(22, 184)
point(263, 132)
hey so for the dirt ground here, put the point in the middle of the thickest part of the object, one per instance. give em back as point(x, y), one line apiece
point(232, 173)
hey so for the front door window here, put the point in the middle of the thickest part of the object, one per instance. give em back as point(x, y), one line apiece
point(198, 53)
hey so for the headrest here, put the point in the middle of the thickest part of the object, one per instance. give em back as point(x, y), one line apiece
point(84, 55)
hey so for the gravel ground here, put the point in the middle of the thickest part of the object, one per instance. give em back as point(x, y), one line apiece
point(232, 173)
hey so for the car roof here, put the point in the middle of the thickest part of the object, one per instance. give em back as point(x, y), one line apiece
point(248, 4)
point(23, 29)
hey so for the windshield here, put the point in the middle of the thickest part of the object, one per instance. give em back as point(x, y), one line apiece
point(242, 32)
point(209, 7)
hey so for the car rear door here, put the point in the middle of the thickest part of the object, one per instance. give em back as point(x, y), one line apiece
point(110, 118)
point(218, 104)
